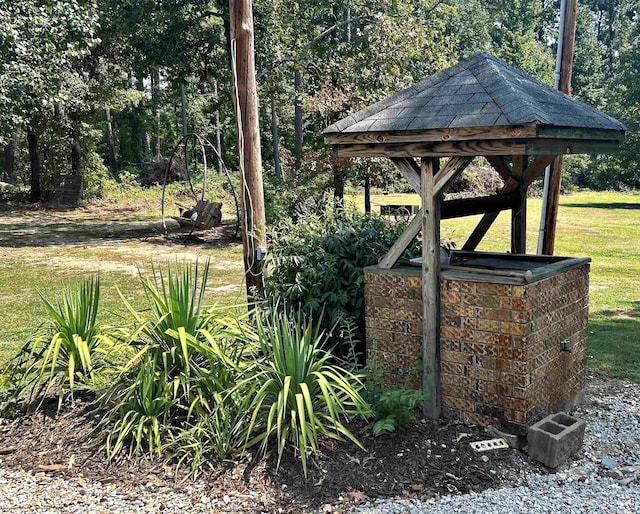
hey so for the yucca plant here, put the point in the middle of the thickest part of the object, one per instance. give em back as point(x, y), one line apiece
point(189, 352)
point(142, 402)
point(68, 350)
point(173, 321)
point(298, 392)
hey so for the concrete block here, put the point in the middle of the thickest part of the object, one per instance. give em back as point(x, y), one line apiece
point(555, 438)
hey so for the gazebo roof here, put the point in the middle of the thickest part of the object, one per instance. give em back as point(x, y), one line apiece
point(479, 98)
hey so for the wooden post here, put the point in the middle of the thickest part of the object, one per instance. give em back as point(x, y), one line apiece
point(246, 104)
point(555, 177)
point(430, 290)
point(530, 173)
point(519, 214)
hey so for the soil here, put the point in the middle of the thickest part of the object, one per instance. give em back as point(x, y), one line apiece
point(426, 459)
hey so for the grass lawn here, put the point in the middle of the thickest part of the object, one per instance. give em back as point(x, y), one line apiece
point(604, 226)
point(41, 250)
point(44, 249)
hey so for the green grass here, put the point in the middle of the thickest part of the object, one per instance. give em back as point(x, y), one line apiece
point(602, 225)
point(45, 249)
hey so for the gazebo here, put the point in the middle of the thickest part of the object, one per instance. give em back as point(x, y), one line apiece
point(479, 107)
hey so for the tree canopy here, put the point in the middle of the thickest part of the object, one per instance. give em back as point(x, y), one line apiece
point(106, 79)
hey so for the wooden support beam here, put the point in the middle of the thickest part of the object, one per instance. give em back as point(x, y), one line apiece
point(430, 291)
point(454, 166)
point(530, 173)
point(519, 213)
point(532, 146)
point(410, 171)
point(441, 149)
point(471, 206)
point(499, 163)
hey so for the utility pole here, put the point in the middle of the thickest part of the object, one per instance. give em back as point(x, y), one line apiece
point(245, 101)
point(551, 198)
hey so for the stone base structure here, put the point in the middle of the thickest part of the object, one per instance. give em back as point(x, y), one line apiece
point(511, 353)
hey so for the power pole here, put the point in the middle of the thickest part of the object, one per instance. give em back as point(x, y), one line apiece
point(552, 192)
point(245, 101)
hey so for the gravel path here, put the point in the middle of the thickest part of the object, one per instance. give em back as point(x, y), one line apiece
point(606, 479)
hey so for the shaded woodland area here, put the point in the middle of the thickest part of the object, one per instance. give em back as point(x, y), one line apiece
point(102, 88)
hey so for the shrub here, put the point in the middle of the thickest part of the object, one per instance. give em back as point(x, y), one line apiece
point(298, 392)
point(316, 266)
point(68, 350)
point(394, 409)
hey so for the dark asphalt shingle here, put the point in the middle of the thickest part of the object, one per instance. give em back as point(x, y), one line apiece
point(477, 92)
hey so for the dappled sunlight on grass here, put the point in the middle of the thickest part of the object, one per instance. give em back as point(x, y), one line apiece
point(44, 249)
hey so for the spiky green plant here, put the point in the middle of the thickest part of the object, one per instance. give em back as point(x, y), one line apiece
point(193, 352)
point(298, 392)
point(68, 350)
point(142, 402)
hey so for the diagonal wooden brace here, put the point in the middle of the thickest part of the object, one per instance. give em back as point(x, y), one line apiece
point(410, 171)
point(510, 185)
point(444, 177)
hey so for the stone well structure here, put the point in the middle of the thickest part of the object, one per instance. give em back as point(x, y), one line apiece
point(512, 348)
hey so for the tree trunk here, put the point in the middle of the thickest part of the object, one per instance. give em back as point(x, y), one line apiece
point(10, 159)
point(139, 125)
point(275, 136)
point(367, 194)
point(155, 99)
point(185, 128)
point(76, 151)
point(347, 25)
point(338, 186)
point(219, 160)
point(298, 135)
point(113, 151)
point(36, 165)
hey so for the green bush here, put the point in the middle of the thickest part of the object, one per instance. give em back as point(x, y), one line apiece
point(316, 266)
point(298, 392)
point(94, 175)
point(394, 409)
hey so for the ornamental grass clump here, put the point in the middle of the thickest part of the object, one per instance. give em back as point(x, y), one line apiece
point(298, 391)
point(68, 352)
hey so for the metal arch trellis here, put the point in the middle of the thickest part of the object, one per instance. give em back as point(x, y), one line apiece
point(203, 143)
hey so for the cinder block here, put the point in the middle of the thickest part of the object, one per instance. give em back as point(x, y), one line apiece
point(555, 438)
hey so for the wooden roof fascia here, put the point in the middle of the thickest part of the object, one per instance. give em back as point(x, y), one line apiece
point(531, 146)
point(571, 146)
point(552, 132)
point(435, 149)
point(433, 135)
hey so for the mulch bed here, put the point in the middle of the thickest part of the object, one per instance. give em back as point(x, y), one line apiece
point(427, 459)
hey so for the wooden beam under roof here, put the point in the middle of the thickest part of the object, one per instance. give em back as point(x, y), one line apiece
point(529, 146)
point(434, 135)
point(529, 175)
